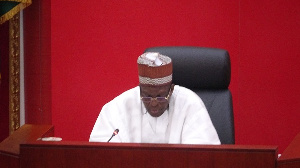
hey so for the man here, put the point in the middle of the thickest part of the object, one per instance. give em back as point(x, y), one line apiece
point(156, 111)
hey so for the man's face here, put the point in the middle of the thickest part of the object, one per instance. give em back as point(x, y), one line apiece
point(154, 107)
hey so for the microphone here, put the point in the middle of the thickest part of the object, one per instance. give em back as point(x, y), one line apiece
point(114, 133)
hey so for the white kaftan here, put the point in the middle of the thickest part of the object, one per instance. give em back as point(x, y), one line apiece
point(185, 122)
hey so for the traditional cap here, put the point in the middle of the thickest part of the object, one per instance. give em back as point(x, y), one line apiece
point(154, 69)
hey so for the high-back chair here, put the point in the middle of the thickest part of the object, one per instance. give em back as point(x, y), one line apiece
point(207, 72)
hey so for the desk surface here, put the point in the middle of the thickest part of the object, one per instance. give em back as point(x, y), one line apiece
point(291, 155)
point(26, 133)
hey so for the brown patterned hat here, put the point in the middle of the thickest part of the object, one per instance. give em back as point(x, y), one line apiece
point(154, 69)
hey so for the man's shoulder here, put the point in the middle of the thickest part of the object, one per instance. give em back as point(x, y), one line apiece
point(183, 95)
point(183, 91)
point(125, 100)
point(131, 92)
point(128, 95)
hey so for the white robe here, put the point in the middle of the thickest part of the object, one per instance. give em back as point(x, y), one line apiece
point(185, 122)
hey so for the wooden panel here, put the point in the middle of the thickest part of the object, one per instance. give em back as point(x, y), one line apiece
point(85, 154)
point(4, 86)
point(9, 161)
point(37, 62)
point(290, 158)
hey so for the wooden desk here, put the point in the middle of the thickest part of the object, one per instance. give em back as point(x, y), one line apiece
point(290, 157)
point(32, 153)
point(86, 154)
point(10, 147)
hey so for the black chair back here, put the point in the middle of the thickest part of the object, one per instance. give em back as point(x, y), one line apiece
point(207, 72)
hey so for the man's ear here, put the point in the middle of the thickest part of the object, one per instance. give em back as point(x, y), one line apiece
point(172, 86)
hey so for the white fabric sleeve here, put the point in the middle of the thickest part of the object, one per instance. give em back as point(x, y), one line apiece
point(105, 125)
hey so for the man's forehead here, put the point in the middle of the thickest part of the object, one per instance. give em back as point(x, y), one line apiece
point(154, 88)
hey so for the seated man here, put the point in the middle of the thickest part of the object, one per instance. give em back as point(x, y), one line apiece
point(156, 111)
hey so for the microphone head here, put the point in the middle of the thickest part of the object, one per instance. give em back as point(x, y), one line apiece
point(116, 131)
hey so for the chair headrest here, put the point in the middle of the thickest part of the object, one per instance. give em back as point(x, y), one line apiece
point(198, 67)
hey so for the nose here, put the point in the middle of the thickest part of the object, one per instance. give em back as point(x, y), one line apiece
point(154, 102)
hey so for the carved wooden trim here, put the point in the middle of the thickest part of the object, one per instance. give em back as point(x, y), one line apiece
point(14, 73)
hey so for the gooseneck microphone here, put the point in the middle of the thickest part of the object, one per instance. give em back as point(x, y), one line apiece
point(114, 133)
